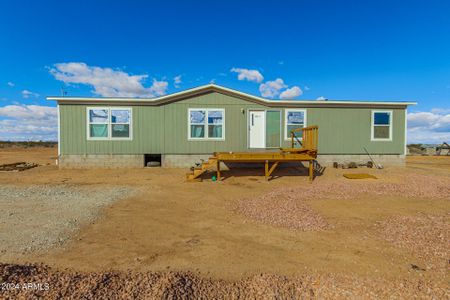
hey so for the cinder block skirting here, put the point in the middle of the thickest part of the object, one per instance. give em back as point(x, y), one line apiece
point(183, 160)
point(101, 161)
point(384, 159)
point(188, 160)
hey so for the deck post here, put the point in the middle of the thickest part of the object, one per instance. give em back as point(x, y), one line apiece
point(218, 170)
point(311, 170)
point(266, 169)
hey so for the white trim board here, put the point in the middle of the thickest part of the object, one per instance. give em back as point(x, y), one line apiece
point(59, 130)
point(201, 90)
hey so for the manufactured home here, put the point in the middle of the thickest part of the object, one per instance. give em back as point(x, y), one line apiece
point(182, 128)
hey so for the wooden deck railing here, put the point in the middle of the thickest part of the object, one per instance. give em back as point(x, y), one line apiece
point(310, 136)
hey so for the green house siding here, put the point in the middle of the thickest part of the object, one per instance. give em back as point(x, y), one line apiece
point(348, 131)
point(164, 129)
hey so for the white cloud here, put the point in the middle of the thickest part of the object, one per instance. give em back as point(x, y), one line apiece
point(28, 94)
point(321, 98)
point(108, 82)
point(11, 84)
point(28, 122)
point(290, 93)
point(440, 110)
point(271, 89)
point(250, 75)
point(306, 88)
point(158, 88)
point(177, 81)
point(429, 127)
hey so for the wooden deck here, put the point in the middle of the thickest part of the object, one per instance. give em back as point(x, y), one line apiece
point(271, 160)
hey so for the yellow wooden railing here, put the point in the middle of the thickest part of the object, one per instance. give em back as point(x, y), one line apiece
point(310, 136)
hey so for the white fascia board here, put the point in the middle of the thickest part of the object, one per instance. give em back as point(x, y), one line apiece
point(213, 87)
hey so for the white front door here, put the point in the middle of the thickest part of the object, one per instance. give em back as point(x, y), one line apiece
point(257, 135)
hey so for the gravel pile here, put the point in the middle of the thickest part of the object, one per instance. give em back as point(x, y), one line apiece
point(410, 186)
point(425, 236)
point(282, 210)
point(287, 207)
point(50, 284)
point(35, 218)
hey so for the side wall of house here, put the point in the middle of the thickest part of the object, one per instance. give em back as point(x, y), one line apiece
point(164, 130)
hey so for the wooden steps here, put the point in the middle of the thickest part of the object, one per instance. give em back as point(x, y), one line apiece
point(196, 172)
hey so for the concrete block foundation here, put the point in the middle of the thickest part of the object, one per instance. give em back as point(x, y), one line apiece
point(383, 159)
point(189, 160)
point(108, 161)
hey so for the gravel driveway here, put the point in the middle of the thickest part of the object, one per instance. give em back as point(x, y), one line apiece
point(36, 218)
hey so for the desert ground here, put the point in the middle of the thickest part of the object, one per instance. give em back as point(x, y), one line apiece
point(147, 233)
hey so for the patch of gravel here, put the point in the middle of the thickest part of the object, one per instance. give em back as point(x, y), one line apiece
point(35, 218)
point(425, 236)
point(288, 207)
point(187, 285)
point(283, 210)
point(410, 186)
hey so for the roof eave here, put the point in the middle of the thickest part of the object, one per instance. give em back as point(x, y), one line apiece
point(214, 88)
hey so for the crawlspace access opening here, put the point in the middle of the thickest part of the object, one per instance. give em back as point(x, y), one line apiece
point(152, 160)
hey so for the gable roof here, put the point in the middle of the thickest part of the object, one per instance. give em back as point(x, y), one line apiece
point(210, 88)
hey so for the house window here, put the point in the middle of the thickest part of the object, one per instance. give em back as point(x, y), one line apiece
point(98, 123)
point(120, 123)
point(381, 126)
point(206, 124)
point(107, 123)
point(294, 118)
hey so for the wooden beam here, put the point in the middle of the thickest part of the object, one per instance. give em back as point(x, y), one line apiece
point(263, 156)
point(272, 168)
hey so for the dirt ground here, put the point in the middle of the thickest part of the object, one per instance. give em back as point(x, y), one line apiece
point(171, 225)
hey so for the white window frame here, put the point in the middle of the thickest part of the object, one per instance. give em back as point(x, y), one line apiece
point(372, 126)
point(206, 138)
point(287, 135)
point(109, 124)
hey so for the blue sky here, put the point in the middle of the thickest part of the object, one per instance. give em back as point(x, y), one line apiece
point(352, 50)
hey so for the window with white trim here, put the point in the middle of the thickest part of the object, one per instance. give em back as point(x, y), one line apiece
point(108, 123)
point(294, 118)
point(381, 128)
point(206, 124)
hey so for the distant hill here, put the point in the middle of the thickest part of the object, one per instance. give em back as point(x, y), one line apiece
point(8, 144)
